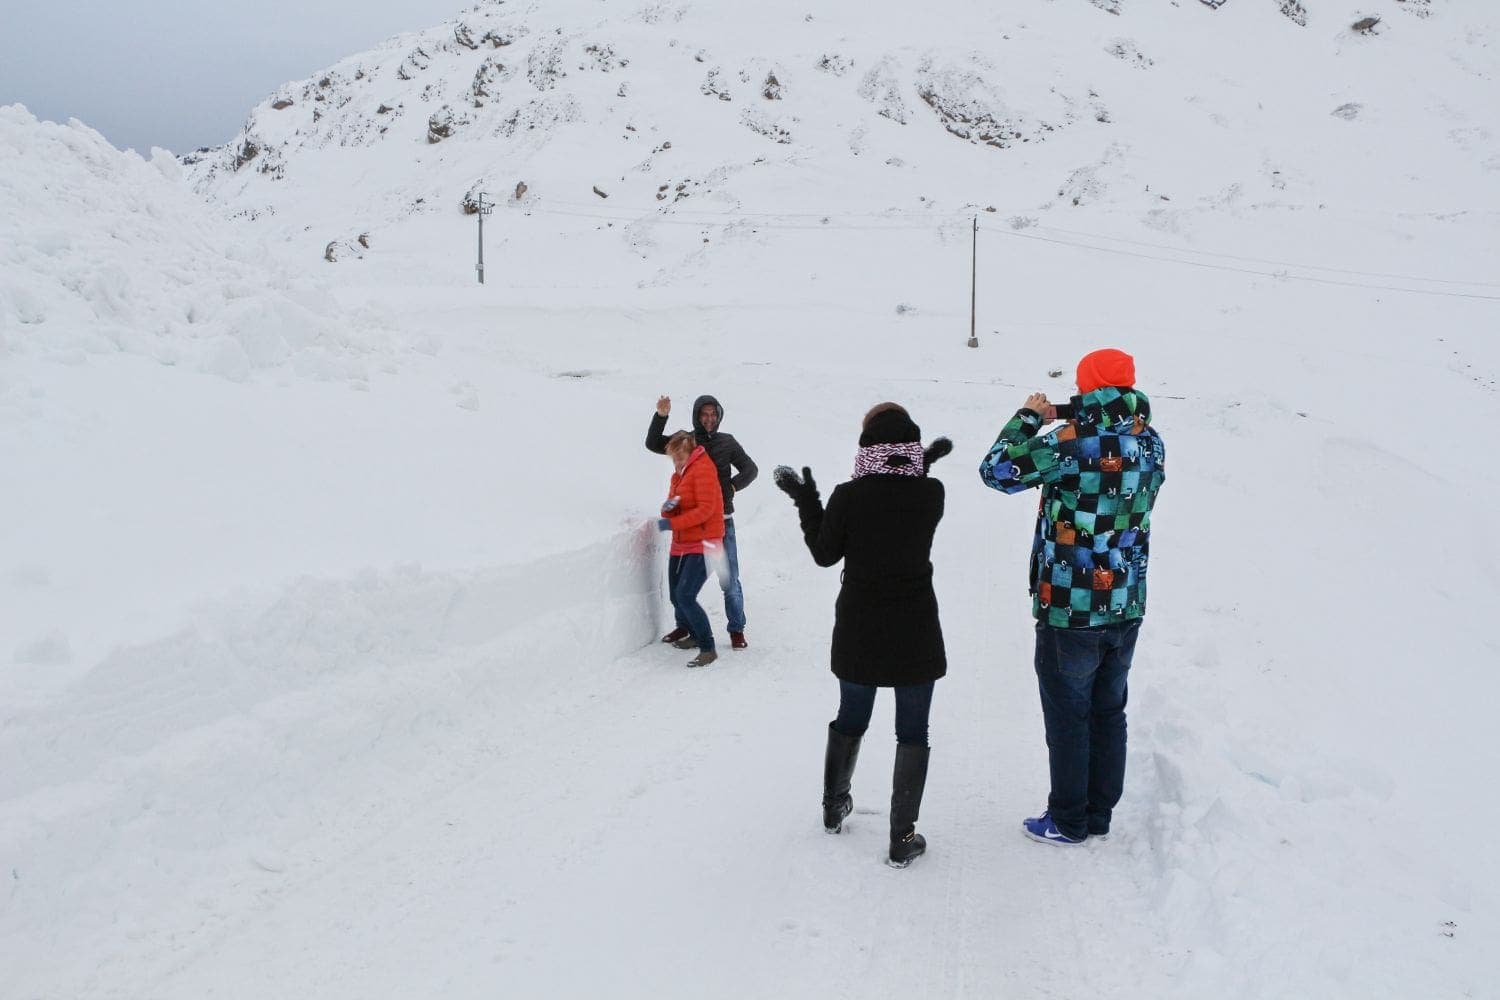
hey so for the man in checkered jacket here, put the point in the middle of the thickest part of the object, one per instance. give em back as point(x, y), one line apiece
point(1099, 473)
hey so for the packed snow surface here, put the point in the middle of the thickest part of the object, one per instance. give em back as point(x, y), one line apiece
point(330, 595)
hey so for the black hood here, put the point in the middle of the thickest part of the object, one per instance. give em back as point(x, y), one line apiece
point(698, 405)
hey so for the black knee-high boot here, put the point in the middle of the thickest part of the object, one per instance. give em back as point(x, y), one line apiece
point(907, 783)
point(838, 772)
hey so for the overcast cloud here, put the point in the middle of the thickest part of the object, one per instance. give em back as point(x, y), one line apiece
point(177, 74)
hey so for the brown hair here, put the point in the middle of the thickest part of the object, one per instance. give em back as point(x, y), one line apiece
point(880, 408)
point(681, 441)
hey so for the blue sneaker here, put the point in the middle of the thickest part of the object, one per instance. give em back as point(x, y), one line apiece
point(1042, 830)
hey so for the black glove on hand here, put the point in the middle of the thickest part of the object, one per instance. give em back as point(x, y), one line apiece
point(786, 480)
point(794, 486)
point(935, 451)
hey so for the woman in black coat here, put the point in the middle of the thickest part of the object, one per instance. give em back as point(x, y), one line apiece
point(885, 630)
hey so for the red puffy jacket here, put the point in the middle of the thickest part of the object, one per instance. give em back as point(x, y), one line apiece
point(699, 516)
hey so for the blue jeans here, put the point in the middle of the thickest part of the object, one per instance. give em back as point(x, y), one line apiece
point(686, 575)
point(728, 572)
point(1081, 673)
point(729, 580)
point(913, 705)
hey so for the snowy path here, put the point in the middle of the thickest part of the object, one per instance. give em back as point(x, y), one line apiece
point(474, 820)
point(488, 779)
point(502, 813)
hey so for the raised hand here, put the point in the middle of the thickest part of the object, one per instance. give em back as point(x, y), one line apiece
point(787, 481)
point(664, 406)
point(935, 451)
point(797, 487)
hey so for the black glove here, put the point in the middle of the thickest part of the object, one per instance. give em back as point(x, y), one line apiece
point(935, 451)
point(794, 486)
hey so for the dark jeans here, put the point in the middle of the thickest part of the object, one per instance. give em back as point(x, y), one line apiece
point(1081, 674)
point(686, 575)
point(727, 569)
point(913, 705)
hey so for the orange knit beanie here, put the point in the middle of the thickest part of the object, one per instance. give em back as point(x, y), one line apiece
point(1105, 367)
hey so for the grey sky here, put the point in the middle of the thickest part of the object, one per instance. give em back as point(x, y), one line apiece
point(181, 74)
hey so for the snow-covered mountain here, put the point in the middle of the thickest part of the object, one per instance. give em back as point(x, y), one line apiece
point(329, 598)
point(575, 115)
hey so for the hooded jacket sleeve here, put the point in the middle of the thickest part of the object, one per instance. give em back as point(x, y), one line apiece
point(1019, 459)
point(655, 440)
point(744, 466)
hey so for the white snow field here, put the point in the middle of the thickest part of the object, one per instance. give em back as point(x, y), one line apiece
point(329, 597)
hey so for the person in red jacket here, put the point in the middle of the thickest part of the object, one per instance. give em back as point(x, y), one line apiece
point(694, 510)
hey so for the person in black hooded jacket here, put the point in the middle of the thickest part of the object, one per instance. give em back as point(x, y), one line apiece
point(736, 471)
point(886, 631)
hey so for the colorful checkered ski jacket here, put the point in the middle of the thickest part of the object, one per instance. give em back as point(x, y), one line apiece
point(1099, 474)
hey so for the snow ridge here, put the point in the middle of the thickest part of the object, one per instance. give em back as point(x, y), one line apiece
point(104, 252)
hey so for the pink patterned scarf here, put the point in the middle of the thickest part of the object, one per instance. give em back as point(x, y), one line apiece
point(903, 459)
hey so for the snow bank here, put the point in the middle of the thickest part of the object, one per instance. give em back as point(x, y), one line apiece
point(270, 721)
point(104, 252)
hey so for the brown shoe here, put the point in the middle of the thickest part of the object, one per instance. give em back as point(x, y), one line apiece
point(675, 636)
point(737, 641)
point(687, 642)
point(703, 659)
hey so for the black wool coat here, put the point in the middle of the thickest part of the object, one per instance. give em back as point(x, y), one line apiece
point(886, 631)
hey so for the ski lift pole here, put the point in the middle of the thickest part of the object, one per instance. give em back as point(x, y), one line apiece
point(974, 284)
point(483, 211)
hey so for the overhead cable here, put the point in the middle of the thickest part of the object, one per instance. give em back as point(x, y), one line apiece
point(893, 220)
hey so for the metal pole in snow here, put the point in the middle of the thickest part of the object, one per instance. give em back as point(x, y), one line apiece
point(481, 238)
point(974, 284)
